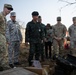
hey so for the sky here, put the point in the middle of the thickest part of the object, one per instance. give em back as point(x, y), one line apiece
point(48, 9)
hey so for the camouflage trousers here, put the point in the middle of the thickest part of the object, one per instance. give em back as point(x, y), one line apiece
point(34, 51)
point(3, 51)
point(13, 52)
point(73, 47)
point(58, 47)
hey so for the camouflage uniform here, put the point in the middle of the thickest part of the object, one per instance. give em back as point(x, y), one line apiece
point(34, 35)
point(72, 33)
point(3, 47)
point(59, 32)
point(14, 37)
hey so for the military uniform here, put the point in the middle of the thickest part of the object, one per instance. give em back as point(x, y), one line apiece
point(72, 33)
point(59, 32)
point(42, 44)
point(14, 37)
point(3, 48)
point(34, 35)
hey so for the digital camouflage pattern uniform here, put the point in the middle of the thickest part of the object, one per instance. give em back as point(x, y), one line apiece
point(3, 47)
point(72, 33)
point(34, 35)
point(14, 37)
point(59, 32)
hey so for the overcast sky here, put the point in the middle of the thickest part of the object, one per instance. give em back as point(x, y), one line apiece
point(48, 9)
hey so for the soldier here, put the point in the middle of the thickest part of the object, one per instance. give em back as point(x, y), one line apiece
point(49, 40)
point(34, 36)
point(3, 50)
point(72, 33)
point(42, 44)
point(59, 35)
point(14, 38)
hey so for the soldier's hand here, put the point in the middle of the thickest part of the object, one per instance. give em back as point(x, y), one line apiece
point(59, 39)
point(20, 42)
point(8, 43)
point(26, 44)
point(45, 40)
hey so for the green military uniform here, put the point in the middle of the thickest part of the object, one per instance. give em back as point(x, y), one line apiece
point(3, 48)
point(59, 32)
point(34, 35)
point(42, 44)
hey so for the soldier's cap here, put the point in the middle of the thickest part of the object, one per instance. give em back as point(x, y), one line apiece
point(8, 6)
point(35, 13)
point(13, 14)
point(39, 16)
point(74, 18)
point(58, 18)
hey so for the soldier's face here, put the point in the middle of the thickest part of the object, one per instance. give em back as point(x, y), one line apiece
point(39, 20)
point(7, 11)
point(74, 21)
point(13, 18)
point(35, 18)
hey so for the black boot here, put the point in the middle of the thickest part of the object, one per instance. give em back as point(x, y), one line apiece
point(1, 68)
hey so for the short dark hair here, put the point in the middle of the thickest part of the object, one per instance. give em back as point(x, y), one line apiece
point(74, 18)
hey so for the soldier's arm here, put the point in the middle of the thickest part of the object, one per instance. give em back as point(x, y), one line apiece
point(69, 31)
point(42, 34)
point(27, 33)
point(1, 19)
point(64, 32)
point(20, 35)
point(8, 32)
point(53, 34)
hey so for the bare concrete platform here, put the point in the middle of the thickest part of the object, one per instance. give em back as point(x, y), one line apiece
point(17, 71)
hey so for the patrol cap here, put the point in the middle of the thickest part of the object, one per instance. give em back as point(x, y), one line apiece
point(58, 18)
point(13, 14)
point(35, 13)
point(8, 6)
point(74, 18)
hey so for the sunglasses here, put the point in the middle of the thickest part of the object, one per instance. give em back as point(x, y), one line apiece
point(10, 9)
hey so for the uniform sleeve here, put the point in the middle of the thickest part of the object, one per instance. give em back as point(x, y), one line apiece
point(20, 35)
point(42, 33)
point(64, 32)
point(27, 33)
point(69, 30)
point(19, 32)
point(1, 18)
point(53, 33)
point(8, 32)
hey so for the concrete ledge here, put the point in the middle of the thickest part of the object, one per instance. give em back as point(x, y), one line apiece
point(17, 71)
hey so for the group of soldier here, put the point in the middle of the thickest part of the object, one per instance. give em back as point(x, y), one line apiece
point(37, 35)
point(10, 39)
point(46, 37)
